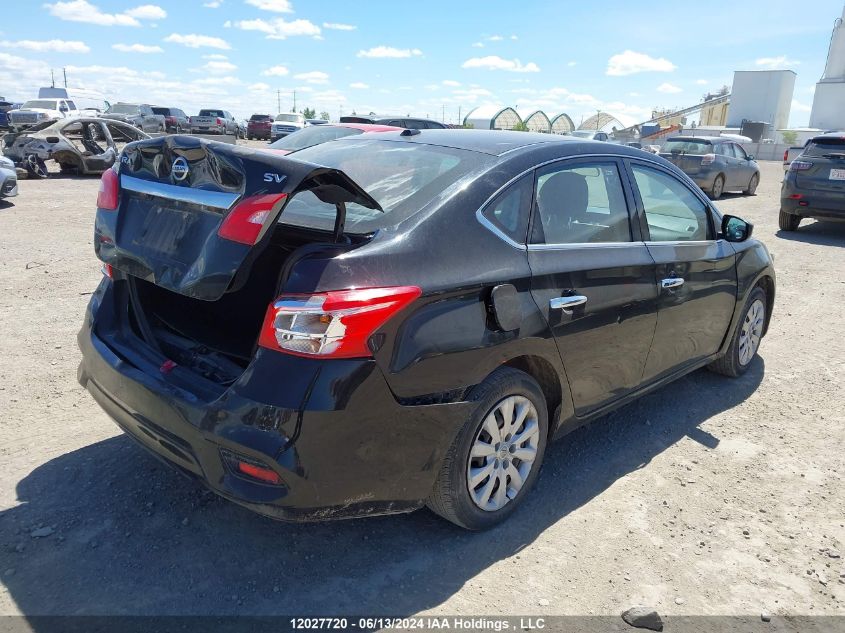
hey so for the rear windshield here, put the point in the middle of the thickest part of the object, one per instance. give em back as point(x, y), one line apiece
point(822, 146)
point(260, 117)
point(123, 108)
point(697, 148)
point(212, 113)
point(402, 177)
point(312, 136)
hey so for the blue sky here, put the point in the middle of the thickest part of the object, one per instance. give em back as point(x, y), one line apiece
point(425, 58)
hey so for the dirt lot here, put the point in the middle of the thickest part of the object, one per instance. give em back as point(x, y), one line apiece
point(712, 496)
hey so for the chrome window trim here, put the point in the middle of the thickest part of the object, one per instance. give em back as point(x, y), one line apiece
point(214, 199)
point(479, 214)
point(582, 245)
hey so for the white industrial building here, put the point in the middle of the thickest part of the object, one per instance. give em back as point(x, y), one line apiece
point(829, 101)
point(763, 96)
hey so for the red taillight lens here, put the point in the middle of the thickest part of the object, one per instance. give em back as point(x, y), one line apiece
point(109, 188)
point(244, 222)
point(799, 165)
point(785, 154)
point(707, 159)
point(257, 472)
point(108, 271)
point(219, 122)
point(335, 324)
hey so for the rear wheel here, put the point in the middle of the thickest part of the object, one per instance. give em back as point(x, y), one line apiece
point(496, 456)
point(746, 339)
point(751, 189)
point(788, 222)
point(718, 188)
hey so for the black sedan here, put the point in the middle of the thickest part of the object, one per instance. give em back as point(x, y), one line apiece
point(406, 318)
point(814, 185)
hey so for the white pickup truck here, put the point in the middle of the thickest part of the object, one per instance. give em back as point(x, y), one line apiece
point(37, 111)
point(213, 121)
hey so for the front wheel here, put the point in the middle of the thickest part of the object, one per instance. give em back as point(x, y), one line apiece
point(746, 339)
point(788, 222)
point(495, 458)
point(718, 188)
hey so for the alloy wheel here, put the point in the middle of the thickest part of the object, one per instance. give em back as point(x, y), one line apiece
point(503, 453)
point(751, 332)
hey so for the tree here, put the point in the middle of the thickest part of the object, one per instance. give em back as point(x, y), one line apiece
point(325, 116)
point(309, 113)
point(790, 137)
point(522, 126)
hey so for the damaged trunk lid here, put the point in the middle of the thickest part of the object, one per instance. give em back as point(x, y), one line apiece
point(193, 215)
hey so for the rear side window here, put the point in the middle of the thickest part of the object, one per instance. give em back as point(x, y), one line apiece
point(822, 146)
point(673, 212)
point(509, 211)
point(696, 148)
point(578, 204)
point(402, 177)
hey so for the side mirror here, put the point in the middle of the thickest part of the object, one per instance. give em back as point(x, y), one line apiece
point(750, 157)
point(63, 108)
point(736, 229)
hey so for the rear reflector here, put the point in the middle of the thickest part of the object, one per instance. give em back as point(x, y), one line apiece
point(336, 324)
point(257, 472)
point(244, 222)
point(109, 189)
point(795, 196)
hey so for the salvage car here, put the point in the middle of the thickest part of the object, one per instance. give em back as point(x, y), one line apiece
point(212, 121)
point(715, 163)
point(8, 178)
point(258, 127)
point(286, 123)
point(814, 185)
point(85, 145)
point(314, 135)
point(392, 320)
point(175, 120)
point(139, 115)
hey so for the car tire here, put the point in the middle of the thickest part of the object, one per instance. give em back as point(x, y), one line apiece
point(788, 222)
point(718, 188)
point(505, 393)
point(746, 340)
point(752, 185)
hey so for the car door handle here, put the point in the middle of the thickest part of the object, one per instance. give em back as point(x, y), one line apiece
point(672, 282)
point(567, 303)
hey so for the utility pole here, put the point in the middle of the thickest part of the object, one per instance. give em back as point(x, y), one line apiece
point(460, 121)
point(278, 101)
point(294, 100)
point(52, 79)
point(64, 72)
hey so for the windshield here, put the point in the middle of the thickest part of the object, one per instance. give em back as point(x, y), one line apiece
point(290, 118)
point(123, 108)
point(402, 177)
point(822, 146)
point(696, 148)
point(42, 104)
point(312, 136)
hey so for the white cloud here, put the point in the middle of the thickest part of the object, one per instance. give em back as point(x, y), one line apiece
point(477, 45)
point(452, 83)
point(359, 85)
point(276, 6)
point(217, 67)
point(495, 38)
point(278, 28)
point(797, 106)
point(336, 26)
point(494, 62)
point(217, 81)
point(213, 4)
point(147, 12)
point(390, 52)
point(571, 64)
point(514, 37)
point(630, 63)
point(701, 82)
point(198, 41)
point(144, 49)
point(668, 88)
point(275, 71)
point(258, 87)
point(313, 77)
point(53, 46)
point(84, 11)
point(214, 56)
point(776, 63)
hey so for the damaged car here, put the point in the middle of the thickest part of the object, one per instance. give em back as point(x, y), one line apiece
point(85, 145)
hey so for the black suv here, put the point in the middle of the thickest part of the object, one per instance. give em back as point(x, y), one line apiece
point(403, 319)
point(396, 121)
point(814, 185)
point(175, 120)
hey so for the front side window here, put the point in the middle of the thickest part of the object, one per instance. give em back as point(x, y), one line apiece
point(673, 212)
point(582, 203)
point(739, 152)
point(509, 211)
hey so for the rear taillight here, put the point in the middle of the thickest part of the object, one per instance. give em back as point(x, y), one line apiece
point(244, 222)
point(785, 154)
point(109, 189)
point(219, 122)
point(337, 324)
point(799, 165)
point(707, 159)
point(108, 271)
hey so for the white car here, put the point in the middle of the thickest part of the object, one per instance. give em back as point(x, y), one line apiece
point(8, 178)
point(286, 123)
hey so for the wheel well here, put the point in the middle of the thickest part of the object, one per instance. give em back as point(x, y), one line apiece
point(546, 376)
point(767, 284)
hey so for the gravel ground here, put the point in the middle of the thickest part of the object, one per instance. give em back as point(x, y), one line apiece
point(711, 496)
